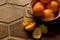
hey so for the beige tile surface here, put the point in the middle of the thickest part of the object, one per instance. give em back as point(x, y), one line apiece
point(19, 2)
point(3, 30)
point(3, 2)
point(10, 13)
point(17, 30)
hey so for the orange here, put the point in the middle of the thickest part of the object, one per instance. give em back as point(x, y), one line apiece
point(26, 21)
point(45, 1)
point(43, 28)
point(37, 33)
point(48, 14)
point(30, 27)
point(38, 9)
point(53, 6)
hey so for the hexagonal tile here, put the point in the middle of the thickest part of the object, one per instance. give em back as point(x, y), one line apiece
point(29, 39)
point(3, 2)
point(13, 38)
point(3, 30)
point(18, 30)
point(19, 2)
point(9, 13)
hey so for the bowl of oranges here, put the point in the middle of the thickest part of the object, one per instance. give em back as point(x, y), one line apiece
point(45, 10)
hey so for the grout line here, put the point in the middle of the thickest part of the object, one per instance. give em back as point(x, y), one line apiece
point(7, 1)
point(24, 12)
point(16, 21)
point(3, 4)
point(17, 38)
point(18, 4)
point(9, 29)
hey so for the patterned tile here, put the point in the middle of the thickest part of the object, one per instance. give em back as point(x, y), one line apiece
point(17, 30)
point(29, 39)
point(3, 30)
point(3, 2)
point(19, 2)
point(9, 13)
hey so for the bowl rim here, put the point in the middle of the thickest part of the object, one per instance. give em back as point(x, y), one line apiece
point(46, 19)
